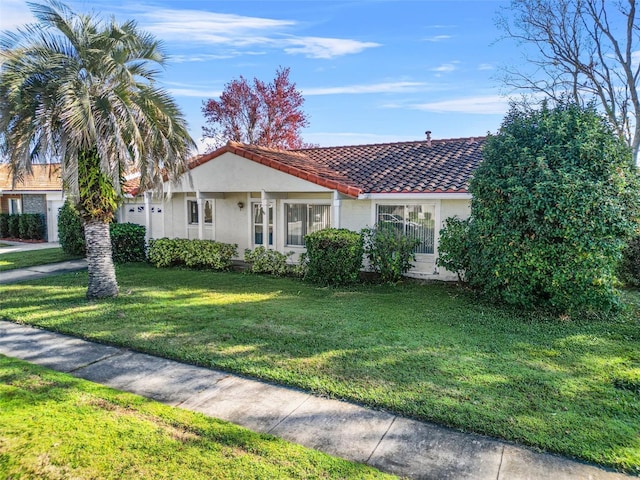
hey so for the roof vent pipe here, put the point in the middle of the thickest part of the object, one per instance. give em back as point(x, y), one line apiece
point(428, 134)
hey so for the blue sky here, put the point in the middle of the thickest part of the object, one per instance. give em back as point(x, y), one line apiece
point(371, 71)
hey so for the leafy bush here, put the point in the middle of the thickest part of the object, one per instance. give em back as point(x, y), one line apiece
point(13, 225)
point(390, 252)
point(334, 256)
point(128, 242)
point(629, 270)
point(70, 230)
point(165, 252)
point(4, 225)
point(554, 200)
point(263, 260)
point(454, 246)
point(31, 226)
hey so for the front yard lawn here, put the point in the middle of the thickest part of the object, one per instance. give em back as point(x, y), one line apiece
point(56, 426)
point(10, 261)
point(431, 352)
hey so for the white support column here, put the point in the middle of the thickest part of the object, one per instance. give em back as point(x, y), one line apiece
point(147, 216)
point(337, 207)
point(265, 219)
point(200, 215)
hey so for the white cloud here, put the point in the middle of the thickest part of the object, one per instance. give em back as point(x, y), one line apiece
point(485, 66)
point(241, 31)
point(14, 13)
point(194, 92)
point(320, 47)
point(438, 38)
point(488, 105)
point(446, 67)
point(388, 87)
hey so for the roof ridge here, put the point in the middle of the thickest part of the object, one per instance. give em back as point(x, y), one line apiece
point(432, 141)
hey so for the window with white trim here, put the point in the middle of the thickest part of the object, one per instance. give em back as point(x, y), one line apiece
point(208, 212)
point(303, 219)
point(15, 206)
point(258, 224)
point(415, 220)
point(192, 211)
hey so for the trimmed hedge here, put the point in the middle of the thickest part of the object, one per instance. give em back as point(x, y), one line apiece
point(70, 230)
point(272, 262)
point(334, 256)
point(4, 225)
point(128, 242)
point(25, 226)
point(201, 254)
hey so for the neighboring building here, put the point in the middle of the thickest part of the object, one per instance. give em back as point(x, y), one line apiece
point(254, 196)
point(40, 192)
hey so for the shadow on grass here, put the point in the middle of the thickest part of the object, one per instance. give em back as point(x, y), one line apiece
point(429, 352)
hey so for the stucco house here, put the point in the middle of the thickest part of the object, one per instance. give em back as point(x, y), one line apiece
point(39, 192)
point(254, 196)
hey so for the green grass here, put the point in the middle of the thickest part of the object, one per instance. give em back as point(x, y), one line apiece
point(431, 352)
point(56, 426)
point(31, 258)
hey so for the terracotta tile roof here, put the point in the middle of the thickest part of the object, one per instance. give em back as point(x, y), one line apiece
point(43, 178)
point(46, 178)
point(436, 166)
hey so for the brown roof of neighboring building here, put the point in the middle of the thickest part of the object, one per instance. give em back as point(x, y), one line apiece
point(44, 177)
point(427, 166)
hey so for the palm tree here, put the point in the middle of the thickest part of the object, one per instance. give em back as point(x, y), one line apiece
point(82, 91)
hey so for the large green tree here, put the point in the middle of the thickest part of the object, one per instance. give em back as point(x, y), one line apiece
point(554, 200)
point(83, 91)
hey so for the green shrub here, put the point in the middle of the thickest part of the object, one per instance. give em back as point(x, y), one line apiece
point(454, 246)
point(553, 202)
point(13, 225)
point(165, 252)
point(629, 270)
point(272, 262)
point(31, 226)
point(390, 252)
point(128, 242)
point(70, 230)
point(4, 225)
point(334, 256)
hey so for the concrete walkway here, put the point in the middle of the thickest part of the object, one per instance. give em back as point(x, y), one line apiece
point(393, 444)
point(25, 246)
point(40, 271)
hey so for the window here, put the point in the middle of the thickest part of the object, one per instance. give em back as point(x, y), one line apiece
point(258, 225)
point(192, 208)
point(303, 219)
point(14, 206)
point(208, 212)
point(416, 221)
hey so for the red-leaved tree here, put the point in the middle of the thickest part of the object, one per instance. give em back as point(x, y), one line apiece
point(266, 114)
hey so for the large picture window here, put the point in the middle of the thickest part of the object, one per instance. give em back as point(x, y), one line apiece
point(303, 219)
point(415, 220)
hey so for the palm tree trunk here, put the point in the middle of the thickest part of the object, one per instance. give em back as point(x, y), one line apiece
point(102, 274)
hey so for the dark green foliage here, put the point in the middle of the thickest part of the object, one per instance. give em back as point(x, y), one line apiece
point(334, 256)
point(31, 226)
point(128, 242)
point(4, 225)
point(390, 252)
point(70, 230)
point(98, 197)
point(165, 252)
point(272, 262)
point(13, 224)
point(553, 203)
point(629, 271)
point(25, 226)
point(454, 246)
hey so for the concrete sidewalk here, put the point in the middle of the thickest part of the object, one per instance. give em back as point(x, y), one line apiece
point(393, 444)
point(40, 271)
point(25, 246)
